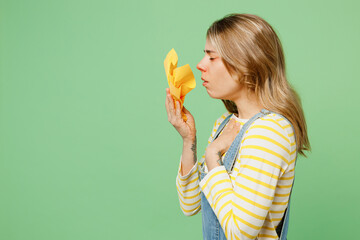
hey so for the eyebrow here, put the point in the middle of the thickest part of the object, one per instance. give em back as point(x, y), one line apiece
point(209, 51)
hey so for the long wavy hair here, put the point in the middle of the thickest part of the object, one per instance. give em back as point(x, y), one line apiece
point(250, 48)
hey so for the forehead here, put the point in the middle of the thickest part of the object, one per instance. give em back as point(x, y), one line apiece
point(209, 47)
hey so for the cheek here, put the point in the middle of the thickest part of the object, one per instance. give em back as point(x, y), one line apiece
point(229, 87)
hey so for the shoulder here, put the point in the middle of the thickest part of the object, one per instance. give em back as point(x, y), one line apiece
point(273, 132)
point(273, 124)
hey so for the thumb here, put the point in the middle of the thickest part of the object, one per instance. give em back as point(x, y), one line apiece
point(187, 112)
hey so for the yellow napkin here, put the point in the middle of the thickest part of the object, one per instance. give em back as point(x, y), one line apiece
point(181, 79)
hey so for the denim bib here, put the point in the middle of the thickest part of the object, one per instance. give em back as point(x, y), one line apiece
point(211, 227)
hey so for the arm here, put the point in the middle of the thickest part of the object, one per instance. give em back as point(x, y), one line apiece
point(187, 180)
point(243, 207)
point(187, 192)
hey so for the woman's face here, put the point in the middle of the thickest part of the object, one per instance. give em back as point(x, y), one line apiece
point(217, 80)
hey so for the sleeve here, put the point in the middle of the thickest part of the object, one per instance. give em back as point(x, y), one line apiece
point(188, 185)
point(242, 207)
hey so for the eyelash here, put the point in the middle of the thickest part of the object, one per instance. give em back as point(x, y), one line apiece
point(211, 59)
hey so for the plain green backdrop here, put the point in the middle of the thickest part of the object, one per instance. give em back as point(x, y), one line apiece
point(86, 150)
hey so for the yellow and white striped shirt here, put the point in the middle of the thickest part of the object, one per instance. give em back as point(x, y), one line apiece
point(251, 200)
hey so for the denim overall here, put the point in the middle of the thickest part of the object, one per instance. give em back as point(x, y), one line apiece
point(212, 229)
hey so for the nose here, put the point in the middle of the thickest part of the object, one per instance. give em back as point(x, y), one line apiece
point(201, 66)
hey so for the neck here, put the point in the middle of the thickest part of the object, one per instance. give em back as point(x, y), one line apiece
point(247, 104)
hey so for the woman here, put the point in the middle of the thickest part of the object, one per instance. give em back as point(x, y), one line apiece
point(244, 180)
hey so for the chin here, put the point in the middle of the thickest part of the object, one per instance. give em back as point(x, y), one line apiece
point(211, 95)
point(214, 96)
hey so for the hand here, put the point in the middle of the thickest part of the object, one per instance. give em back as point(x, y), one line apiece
point(223, 142)
point(186, 129)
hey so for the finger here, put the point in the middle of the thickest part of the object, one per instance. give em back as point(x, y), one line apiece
point(237, 127)
point(230, 123)
point(166, 101)
point(171, 110)
point(185, 110)
point(234, 123)
point(178, 110)
point(171, 105)
point(167, 106)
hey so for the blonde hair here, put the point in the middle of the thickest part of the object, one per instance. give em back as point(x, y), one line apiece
point(250, 48)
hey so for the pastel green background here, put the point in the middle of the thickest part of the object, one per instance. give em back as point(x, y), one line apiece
point(86, 150)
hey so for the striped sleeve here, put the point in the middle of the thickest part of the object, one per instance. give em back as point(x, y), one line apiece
point(188, 185)
point(188, 191)
point(243, 205)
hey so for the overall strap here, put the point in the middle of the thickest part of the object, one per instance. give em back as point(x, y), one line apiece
point(230, 157)
point(283, 226)
point(222, 125)
point(220, 128)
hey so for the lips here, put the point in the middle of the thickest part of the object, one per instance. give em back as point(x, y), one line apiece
point(205, 82)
